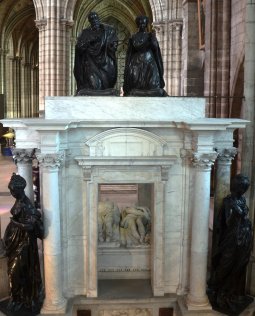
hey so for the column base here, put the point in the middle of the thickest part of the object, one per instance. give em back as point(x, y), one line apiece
point(54, 309)
point(197, 304)
point(185, 311)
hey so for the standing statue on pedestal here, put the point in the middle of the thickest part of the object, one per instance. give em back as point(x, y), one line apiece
point(231, 252)
point(143, 75)
point(20, 241)
point(95, 67)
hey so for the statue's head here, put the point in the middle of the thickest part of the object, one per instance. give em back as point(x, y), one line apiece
point(239, 184)
point(94, 20)
point(17, 185)
point(142, 22)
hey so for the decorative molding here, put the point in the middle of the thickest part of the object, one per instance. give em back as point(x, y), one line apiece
point(126, 312)
point(40, 24)
point(165, 161)
point(164, 173)
point(125, 142)
point(50, 161)
point(204, 160)
point(226, 154)
point(23, 155)
point(124, 269)
point(87, 171)
point(67, 23)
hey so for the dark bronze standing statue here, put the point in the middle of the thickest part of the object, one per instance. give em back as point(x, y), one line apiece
point(231, 252)
point(20, 241)
point(143, 75)
point(95, 67)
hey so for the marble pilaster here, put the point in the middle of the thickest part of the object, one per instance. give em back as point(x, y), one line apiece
point(197, 298)
point(54, 302)
point(23, 159)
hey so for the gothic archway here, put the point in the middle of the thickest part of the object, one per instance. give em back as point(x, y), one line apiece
point(19, 40)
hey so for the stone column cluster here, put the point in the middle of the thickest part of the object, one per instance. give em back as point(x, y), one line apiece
point(54, 46)
point(192, 60)
point(217, 57)
point(169, 34)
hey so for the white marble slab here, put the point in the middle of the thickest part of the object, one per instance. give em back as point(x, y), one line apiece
point(124, 108)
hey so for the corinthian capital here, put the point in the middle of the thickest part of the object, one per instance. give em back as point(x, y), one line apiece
point(226, 154)
point(204, 160)
point(23, 155)
point(51, 161)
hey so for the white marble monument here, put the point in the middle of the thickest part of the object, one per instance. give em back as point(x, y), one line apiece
point(164, 143)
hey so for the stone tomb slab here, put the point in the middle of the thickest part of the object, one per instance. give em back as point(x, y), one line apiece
point(128, 108)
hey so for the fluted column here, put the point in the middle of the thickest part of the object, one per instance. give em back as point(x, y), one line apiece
point(197, 298)
point(54, 302)
point(23, 159)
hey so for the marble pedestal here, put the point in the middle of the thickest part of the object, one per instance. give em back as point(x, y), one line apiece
point(84, 142)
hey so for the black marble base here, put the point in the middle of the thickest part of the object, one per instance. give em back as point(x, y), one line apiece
point(103, 93)
point(148, 93)
point(22, 312)
point(230, 307)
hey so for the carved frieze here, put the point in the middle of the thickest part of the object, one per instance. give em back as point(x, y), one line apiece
point(126, 312)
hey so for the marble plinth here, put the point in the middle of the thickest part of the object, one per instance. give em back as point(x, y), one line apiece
point(128, 108)
point(124, 263)
point(165, 143)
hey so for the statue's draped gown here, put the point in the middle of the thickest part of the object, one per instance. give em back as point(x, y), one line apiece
point(22, 252)
point(233, 248)
point(144, 66)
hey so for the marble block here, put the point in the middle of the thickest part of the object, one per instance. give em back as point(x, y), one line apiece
point(128, 108)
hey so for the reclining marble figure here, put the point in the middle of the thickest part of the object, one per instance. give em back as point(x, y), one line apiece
point(108, 222)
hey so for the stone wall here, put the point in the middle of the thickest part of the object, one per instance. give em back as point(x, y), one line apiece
point(237, 38)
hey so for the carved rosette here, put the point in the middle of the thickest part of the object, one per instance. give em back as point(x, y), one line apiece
point(226, 154)
point(204, 161)
point(50, 161)
point(23, 156)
